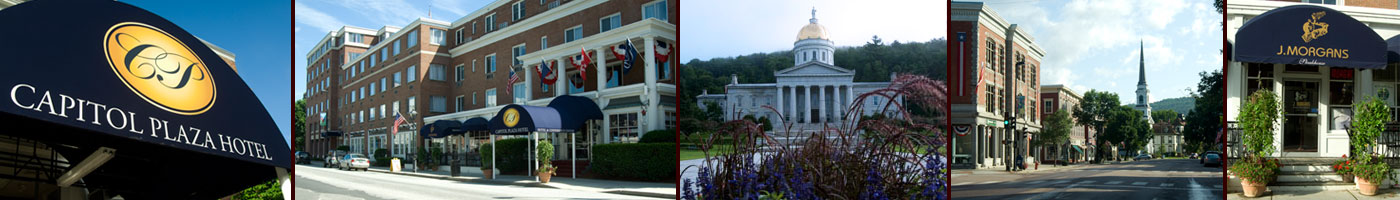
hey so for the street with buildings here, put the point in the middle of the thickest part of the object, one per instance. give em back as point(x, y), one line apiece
point(1147, 179)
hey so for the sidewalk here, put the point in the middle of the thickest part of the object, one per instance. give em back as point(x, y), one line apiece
point(1329, 195)
point(1031, 170)
point(474, 175)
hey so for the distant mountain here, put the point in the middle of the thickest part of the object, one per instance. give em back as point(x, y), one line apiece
point(1181, 105)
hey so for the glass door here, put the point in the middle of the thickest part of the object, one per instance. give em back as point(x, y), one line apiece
point(1300, 127)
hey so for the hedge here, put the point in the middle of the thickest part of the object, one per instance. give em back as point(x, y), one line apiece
point(635, 161)
point(659, 136)
point(510, 155)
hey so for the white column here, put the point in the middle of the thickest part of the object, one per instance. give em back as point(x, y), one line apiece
point(821, 104)
point(655, 115)
point(792, 115)
point(562, 78)
point(840, 100)
point(529, 87)
point(601, 69)
point(851, 93)
point(779, 102)
point(807, 112)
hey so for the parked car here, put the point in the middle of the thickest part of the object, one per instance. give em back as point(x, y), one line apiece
point(1211, 160)
point(1203, 157)
point(1193, 155)
point(1142, 157)
point(354, 161)
point(302, 158)
point(333, 159)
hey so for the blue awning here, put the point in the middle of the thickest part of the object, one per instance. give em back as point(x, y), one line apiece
point(1309, 35)
point(441, 128)
point(331, 134)
point(516, 119)
point(1392, 47)
point(474, 124)
point(575, 111)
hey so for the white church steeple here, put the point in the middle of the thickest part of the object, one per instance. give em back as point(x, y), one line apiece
point(1143, 98)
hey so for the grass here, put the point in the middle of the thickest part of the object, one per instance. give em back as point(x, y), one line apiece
point(719, 149)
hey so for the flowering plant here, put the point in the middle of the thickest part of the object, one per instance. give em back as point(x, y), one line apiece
point(1372, 168)
point(1342, 166)
point(1256, 169)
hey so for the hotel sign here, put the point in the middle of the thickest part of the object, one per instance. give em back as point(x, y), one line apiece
point(1309, 35)
point(110, 68)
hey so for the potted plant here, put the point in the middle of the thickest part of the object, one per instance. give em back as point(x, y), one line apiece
point(1257, 117)
point(1370, 170)
point(545, 151)
point(485, 150)
point(1343, 168)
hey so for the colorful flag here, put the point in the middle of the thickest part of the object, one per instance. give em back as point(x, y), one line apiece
point(510, 83)
point(581, 62)
point(398, 120)
point(546, 73)
point(663, 51)
point(627, 54)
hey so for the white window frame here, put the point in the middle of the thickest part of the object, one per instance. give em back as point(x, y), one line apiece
point(519, 96)
point(437, 72)
point(490, 63)
point(461, 72)
point(433, 104)
point(491, 97)
point(601, 26)
point(412, 39)
point(459, 37)
point(517, 11)
point(568, 39)
point(665, 17)
point(544, 43)
point(439, 36)
point(411, 73)
point(473, 98)
point(516, 52)
point(490, 22)
point(460, 103)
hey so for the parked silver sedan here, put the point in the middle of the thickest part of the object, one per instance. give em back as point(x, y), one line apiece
point(354, 161)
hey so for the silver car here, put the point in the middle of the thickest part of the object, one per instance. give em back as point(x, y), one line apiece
point(354, 161)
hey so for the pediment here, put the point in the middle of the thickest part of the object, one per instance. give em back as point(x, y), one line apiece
point(814, 68)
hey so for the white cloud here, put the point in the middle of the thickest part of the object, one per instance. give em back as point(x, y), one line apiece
point(386, 12)
point(1160, 13)
point(451, 6)
point(316, 19)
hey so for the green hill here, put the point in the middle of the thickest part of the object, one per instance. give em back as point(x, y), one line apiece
point(1181, 105)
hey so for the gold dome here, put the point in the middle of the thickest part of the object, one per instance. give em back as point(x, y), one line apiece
point(812, 31)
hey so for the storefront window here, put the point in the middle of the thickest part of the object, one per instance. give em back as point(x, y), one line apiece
point(624, 127)
point(1260, 76)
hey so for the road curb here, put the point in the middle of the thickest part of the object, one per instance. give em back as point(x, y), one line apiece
point(525, 184)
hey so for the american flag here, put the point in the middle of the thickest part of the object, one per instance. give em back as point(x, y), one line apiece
point(510, 83)
point(398, 119)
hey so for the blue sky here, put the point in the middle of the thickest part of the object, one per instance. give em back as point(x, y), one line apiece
point(727, 28)
point(1094, 45)
point(316, 18)
point(255, 31)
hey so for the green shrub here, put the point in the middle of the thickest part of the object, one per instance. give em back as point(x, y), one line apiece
point(545, 153)
point(659, 136)
point(485, 150)
point(381, 158)
point(1257, 118)
point(343, 148)
point(511, 155)
point(635, 161)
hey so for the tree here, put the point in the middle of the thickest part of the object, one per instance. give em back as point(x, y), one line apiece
point(1058, 126)
point(1093, 111)
point(299, 124)
point(1204, 121)
point(713, 112)
point(1166, 116)
point(1127, 127)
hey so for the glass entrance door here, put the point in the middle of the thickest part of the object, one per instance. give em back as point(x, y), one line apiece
point(1300, 126)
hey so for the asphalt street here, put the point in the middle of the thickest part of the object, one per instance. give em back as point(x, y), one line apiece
point(316, 183)
point(1148, 179)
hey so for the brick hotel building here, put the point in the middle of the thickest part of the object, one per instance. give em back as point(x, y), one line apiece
point(431, 70)
point(986, 84)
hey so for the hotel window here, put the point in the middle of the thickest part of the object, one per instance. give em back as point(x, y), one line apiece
point(624, 127)
point(436, 72)
point(473, 27)
point(412, 73)
point(572, 34)
point(372, 116)
point(491, 22)
point(544, 42)
point(371, 63)
point(353, 55)
point(461, 72)
point(1328, 2)
point(516, 52)
point(398, 78)
point(396, 49)
point(356, 38)
point(396, 107)
point(460, 103)
point(655, 10)
point(439, 104)
point(371, 89)
point(413, 39)
point(490, 63)
point(1047, 105)
point(517, 11)
point(458, 37)
point(473, 98)
point(990, 104)
point(412, 104)
point(609, 23)
point(1259, 76)
point(519, 93)
point(383, 113)
point(439, 36)
point(383, 84)
point(362, 116)
point(491, 97)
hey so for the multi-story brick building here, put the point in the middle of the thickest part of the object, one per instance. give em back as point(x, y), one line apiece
point(995, 73)
point(1058, 98)
point(434, 70)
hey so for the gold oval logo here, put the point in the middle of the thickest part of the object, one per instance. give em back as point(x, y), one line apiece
point(511, 117)
point(159, 68)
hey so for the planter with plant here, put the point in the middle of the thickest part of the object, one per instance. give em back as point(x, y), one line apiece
point(545, 152)
point(1257, 116)
point(1370, 169)
point(1343, 168)
point(485, 150)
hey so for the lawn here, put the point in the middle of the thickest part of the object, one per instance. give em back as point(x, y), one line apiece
point(719, 149)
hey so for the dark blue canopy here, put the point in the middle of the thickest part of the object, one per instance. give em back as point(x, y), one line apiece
point(1309, 35)
point(441, 128)
point(474, 124)
point(1392, 47)
point(575, 111)
point(516, 119)
point(330, 134)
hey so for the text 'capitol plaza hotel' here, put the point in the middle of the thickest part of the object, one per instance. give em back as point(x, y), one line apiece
point(436, 72)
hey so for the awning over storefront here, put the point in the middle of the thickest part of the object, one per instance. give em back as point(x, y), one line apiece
point(474, 124)
point(1309, 35)
point(575, 111)
point(107, 78)
point(516, 119)
point(441, 128)
point(1392, 47)
point(1077, 149)
point(331, 134)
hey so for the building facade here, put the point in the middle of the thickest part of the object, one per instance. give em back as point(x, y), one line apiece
point(1058, 98)
point(993, 79)
point(809, 94)
point(431, 70)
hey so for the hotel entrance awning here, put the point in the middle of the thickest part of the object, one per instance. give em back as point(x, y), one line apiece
point(516, 119)
point(1309, 35)
point(575, 111)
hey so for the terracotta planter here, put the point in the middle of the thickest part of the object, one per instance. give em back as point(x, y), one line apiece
point(1367, 187)
point(1348, 178)
point(544, 177)
point(487, 173)
point(1253, 189)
